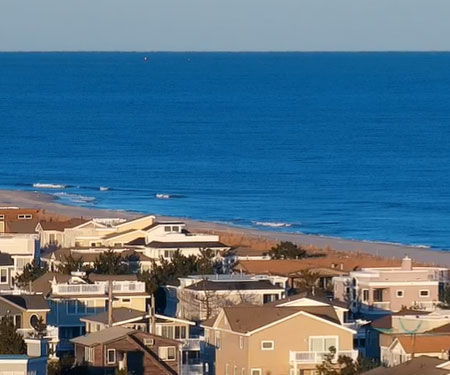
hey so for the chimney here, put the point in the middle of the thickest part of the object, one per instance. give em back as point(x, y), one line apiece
point(406, 263)
point(110, 303)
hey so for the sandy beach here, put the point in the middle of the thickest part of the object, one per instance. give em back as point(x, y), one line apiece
point(25, 199)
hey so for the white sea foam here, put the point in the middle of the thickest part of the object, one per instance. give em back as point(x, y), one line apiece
point(75, 198)
point(103, 188)
point(163, 196)
point(49, 186)
point(272, 224)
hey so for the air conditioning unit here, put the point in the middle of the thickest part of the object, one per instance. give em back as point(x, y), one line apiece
point(149, 342)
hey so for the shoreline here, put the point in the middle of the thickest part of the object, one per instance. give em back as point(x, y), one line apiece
point(27, 199)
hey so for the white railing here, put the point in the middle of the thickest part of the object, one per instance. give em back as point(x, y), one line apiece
point(318, 357)
point(78, 289)
point(128, 286)
point(192, 369)
point(191, 344)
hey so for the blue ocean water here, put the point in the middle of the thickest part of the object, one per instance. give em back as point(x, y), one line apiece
point(353, 145)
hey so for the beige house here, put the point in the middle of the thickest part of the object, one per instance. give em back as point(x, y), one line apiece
point(260, 340)
point(22, 247)
point(392, 288)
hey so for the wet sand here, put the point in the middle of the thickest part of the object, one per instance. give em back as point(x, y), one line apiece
point(45, 201)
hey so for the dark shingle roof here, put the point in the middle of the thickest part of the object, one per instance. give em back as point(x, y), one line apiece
point(140, 241)
point(27, 301)
point(61, 225)
point(121, 314)
point(233, 285)
point(422, 365)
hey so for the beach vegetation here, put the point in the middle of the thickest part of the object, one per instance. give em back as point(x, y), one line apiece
point(31, 272)
point(307, 282)
point(343, 365)
point(11, 341)
point(70, 264)
point(287, 250)
point(110, 263)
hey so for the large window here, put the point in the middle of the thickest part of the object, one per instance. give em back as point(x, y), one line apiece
point(365, 295)
point(111, 356)
point(180, 332)
point(167, 331)
point(167, 353)
point(322, 344)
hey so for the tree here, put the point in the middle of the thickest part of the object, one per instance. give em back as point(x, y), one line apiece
point(287, 250)
point(31, 272)
point(70, 264)
point(308, 282)
point(11, 342)
point(110, 263)
point(327, 367)
point(343, 365)
point(445, 297)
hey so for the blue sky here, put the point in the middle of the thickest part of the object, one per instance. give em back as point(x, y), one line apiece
point(224, 25)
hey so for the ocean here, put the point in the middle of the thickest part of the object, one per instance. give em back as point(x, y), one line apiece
point(352, 145)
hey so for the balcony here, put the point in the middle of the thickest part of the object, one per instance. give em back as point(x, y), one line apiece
point(128, 287)
point(191, 345)
point(78, 289)
point(195, 369)
point(318, 357)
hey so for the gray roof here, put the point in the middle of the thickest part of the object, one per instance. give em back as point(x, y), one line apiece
point(27, 301)
point(103, 336)
point(422, 365)
point(6, 260)
point(233, 285)
point(121, 314)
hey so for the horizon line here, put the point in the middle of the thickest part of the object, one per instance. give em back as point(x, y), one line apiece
point(225, 51)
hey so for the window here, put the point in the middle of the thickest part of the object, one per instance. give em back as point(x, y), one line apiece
point(71, 307)
point(322, 344)
point(267, 345)
point(18, 321)
point(167, 353)
point(126, 300)
point(241, 342)
point(365, 295)
point(180, 332)
point(24, 216)
point(111, 356)
point(424, 293)
point(21, 262)
point(243, 371)
point(235, 371)
point(149, 342)
point(217, 343)
point(34, 320)
point(167, 229)
point(168, 254)
point(175, 229)
point(227, 369)
point(3, 276)
point(88, 354)
point(167, 332)
point(2, 217)
point(400, 293)
point(255, 371)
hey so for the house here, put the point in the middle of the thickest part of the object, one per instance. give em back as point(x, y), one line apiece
point(72, 297)
point(51, 232)
point(422, 365)
point(235, 255)
point(268, 339)
point(325, 269)
point(404, 348)
point(22, 247)
point(34, 362)
point(137, 261)
point(20, 220)
point(200, 297)
point(383, 289)
point(121, 317)
point(164, 326)
point(164, 238)
point(137, 352)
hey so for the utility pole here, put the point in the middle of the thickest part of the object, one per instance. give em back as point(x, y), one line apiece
point(110, 303)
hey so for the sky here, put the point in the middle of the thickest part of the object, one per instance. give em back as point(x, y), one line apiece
point(224, 25)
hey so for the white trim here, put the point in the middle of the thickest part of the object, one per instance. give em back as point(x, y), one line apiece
point(255, 369)
point(107, 356)
point(424, 290)
point(179, 320)
point(267, 341)
point(397, 283)
point(400, 290)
